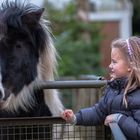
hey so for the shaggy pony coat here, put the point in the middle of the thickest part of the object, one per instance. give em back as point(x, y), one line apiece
point(27, 54)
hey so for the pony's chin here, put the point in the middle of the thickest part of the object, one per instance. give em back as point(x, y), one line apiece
point(4, 104)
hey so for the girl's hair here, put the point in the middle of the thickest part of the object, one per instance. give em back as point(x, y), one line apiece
point(131, 50)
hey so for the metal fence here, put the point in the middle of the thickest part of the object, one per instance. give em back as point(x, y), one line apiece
point(45, 128)
point(55, 128)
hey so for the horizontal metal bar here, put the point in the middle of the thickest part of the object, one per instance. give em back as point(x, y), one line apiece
point(69, 84)
point(117, 132)
point(31, 121)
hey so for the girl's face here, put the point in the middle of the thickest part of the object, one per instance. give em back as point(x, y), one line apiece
point(119, 66)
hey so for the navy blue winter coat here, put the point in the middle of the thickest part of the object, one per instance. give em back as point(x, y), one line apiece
point(112, 102)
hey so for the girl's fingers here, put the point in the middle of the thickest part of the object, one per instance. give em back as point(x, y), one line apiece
point(108, 120)
point(67, 114)
point(106, 123)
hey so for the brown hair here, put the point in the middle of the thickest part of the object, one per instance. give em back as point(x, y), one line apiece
point(131, 50)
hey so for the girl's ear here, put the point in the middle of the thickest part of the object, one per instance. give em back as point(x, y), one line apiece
point(130, 67)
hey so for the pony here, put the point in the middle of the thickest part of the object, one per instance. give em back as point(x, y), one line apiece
point(27, 54)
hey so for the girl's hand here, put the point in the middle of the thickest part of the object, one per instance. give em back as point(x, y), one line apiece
point(68, 115)
point(112, 118)
point(109, 119)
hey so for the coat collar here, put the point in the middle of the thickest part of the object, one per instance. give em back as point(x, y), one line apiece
point(118, 84)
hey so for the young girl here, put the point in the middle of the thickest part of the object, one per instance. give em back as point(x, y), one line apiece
point(121, 101)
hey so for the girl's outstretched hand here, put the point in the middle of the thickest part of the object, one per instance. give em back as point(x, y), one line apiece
point(68, 115)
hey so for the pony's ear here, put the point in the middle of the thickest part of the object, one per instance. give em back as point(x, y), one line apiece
point(32, 18)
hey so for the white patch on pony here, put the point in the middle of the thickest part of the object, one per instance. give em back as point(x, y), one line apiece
point(46, 70)
point(24, 99)
point(51, 96)
point(1, 87)
point(53, 101)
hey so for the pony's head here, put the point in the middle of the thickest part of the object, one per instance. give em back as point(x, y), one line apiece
point(26, 53)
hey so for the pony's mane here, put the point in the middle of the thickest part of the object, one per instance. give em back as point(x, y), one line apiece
point(12, 11)
point(17, 8)
point(11, 15)
point(22, 7)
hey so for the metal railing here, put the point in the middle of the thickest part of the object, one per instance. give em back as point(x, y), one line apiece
point(44, 128)
point(116, 131)
point(69, 84)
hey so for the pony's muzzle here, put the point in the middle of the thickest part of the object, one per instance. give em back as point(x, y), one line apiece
point(2, 94)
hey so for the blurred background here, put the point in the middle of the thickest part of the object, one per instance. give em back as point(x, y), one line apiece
point(84, 30)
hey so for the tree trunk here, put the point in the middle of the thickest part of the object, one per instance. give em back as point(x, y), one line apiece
point(83, 7)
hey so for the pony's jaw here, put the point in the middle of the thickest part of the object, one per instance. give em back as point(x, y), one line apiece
point(4, 104)
point(24, 99)
point(2, 94)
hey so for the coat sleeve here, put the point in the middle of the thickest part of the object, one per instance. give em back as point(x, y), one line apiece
point(93, 115)
point(130, 125)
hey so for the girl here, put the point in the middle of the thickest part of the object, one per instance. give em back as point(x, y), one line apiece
point(121, 101)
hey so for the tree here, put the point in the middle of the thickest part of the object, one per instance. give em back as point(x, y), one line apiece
point(77, 41)
point(136, 17)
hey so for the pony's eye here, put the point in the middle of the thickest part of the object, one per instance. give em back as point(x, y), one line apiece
point(11, 61)
point(18, 46)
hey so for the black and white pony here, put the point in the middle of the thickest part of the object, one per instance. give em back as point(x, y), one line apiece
point(27, 54)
